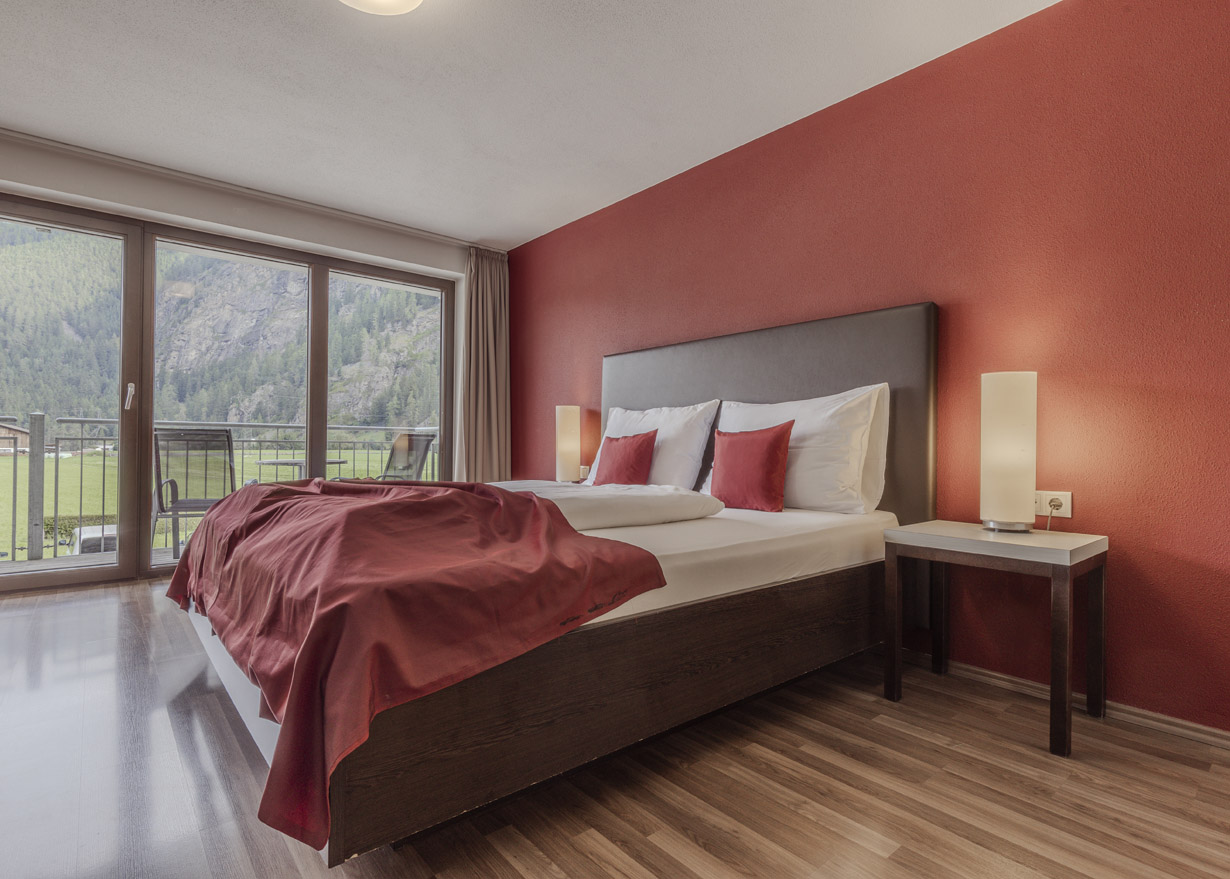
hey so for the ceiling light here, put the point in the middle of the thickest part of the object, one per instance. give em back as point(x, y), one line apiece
point(384, 7)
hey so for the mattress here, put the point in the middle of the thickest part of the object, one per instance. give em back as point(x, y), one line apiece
point(701, 558)
point(742, 549)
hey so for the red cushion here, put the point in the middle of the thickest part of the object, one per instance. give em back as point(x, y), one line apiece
point(749, 468)
point(625, 460)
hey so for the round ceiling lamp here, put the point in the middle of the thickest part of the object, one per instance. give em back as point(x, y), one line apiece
point(384, 7)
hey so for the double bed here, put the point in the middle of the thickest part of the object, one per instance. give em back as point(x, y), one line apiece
point(752, 599)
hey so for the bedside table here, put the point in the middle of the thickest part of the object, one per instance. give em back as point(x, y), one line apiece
point(1058, 555)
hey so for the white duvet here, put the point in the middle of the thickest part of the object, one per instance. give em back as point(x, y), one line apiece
point(587, 507)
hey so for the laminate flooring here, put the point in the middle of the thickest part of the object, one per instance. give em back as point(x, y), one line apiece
point(121, 756)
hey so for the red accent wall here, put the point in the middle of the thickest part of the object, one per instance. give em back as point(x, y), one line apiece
point(1061, 189)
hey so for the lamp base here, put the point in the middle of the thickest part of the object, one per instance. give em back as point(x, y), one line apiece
point(992, 525)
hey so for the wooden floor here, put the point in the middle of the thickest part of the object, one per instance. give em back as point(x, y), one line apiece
point(121, 756)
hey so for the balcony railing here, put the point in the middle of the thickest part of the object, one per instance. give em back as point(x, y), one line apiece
point(82, 453)
point(9, 445)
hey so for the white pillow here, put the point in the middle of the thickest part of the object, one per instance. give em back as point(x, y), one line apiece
point(838, 446)
point(876, 463)
point(589, 507)
point(683, 433)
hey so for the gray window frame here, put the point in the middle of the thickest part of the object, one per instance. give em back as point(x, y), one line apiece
point(136, 429)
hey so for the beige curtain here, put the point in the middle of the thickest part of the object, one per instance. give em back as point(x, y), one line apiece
point(485, 453)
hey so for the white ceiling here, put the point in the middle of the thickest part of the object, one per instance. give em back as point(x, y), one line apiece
point(492, 121)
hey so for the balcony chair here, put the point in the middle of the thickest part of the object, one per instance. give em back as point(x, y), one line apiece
point(408, 456)
point(185, 487)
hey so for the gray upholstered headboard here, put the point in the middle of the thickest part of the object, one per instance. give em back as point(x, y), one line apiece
point(798, 361)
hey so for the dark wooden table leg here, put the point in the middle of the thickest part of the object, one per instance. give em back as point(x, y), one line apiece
point(892, 624)
point(1096, 669)
point(1061, 660)
point(939, 618)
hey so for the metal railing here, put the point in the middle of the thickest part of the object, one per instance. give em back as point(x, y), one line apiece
point(12, 445)
point(11, 442)
point(264, 452)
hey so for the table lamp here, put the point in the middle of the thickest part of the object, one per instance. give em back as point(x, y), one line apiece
point(1009, 450)
point(567, 443)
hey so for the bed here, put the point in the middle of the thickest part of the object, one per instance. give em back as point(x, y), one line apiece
point(741, 611)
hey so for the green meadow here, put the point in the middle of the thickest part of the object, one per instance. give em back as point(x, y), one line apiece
point(81, 487)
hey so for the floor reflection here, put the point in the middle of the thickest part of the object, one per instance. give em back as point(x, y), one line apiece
point(93, 700)
point(120, 754)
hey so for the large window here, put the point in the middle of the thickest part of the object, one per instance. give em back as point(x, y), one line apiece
point(61, 298)
point(230, 380)
point(384, 375)
point(149, 371)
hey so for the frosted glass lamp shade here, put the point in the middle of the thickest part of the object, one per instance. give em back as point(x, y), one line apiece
point(384, 7)
point(567, 443)
point(1009, 450)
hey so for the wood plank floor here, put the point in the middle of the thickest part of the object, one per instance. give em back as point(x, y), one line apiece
point(121, 756)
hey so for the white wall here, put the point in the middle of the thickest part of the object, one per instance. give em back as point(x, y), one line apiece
point(69, 175)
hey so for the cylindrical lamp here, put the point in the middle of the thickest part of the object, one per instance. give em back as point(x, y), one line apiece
point(567, 443)
point(1009, 450)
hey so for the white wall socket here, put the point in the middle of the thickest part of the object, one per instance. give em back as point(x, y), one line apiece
point(1042, 501)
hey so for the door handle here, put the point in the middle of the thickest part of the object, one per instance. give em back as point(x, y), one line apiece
point(132, 389)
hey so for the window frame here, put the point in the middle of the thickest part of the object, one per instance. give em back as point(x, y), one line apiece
point(128, 560)
point(140, 285)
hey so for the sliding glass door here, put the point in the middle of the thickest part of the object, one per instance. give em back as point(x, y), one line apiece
point(272, 368)
point(230, 381)
point(385, 341)
point(147, 372)
point(69, 354)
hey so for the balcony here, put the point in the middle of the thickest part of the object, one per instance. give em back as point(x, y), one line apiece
point(70, 522)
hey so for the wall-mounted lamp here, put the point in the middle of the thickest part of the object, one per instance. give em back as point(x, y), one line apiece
point(1009, 450)
point(567, 443)
point(384, 7)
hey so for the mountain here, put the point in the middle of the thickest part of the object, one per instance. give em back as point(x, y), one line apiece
point(230, 336)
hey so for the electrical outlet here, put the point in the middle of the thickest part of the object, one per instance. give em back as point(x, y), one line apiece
point(1042, 500)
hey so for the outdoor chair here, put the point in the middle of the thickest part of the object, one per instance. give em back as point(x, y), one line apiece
point(408, 456)
point(193, 470)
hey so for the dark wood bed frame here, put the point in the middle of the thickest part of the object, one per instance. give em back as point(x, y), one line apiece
point(607, 685)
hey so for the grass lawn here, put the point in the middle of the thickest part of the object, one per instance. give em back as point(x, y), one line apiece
point(81, 487)
point(86, 497)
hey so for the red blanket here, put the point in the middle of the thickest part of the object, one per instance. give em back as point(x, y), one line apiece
point(340, 600)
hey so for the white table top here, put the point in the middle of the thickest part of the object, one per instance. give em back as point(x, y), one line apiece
point(1051, 547)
